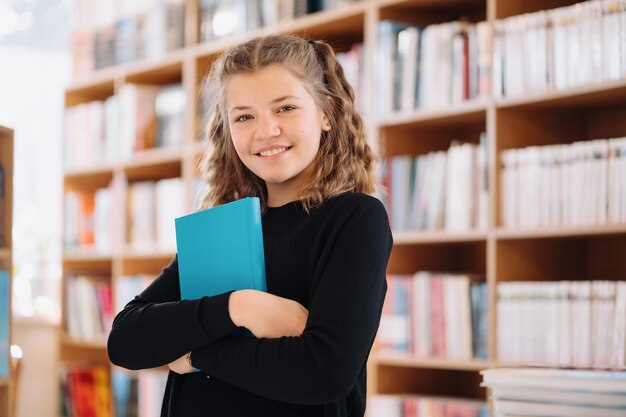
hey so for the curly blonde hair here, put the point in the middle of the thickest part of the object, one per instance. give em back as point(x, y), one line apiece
point(344, 161)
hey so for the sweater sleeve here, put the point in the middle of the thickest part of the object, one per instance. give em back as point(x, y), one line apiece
point(157, 327)
point(322, 365)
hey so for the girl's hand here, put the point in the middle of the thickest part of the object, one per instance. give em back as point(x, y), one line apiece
point(267, 316)
point(181, 365)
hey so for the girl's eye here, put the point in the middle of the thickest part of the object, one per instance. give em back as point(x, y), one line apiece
point(286, 108)
point(243, 118)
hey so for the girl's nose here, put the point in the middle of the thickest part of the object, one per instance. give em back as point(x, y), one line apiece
point(267, 127)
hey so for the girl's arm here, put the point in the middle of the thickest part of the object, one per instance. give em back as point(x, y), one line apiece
point(156, 327)
point(323, 364)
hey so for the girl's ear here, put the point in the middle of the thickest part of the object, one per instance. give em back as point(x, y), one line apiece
point(325, 124)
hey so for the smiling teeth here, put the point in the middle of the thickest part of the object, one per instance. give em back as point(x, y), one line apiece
point(273, 152)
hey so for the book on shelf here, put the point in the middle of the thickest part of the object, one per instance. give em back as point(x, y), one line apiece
point(88, 306)
point(85, 391)
point(111, 33)
point(433, 314)
point(565, 323)
point(5, 322)
point(566, 185)
point(430, 67)
point(138, 394)
point(561, 48)
point(152, 208)
point(91, 218)
point(127, 287)
point(221, 249)
point(386, 405)
point(439, 191)
point(546, 392)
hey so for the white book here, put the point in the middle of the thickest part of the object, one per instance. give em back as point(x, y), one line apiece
point(507, 188)
point(581, 296)
point(535, 44)
point(103, 220)
point(408, 48)
point(142, 215)
point(618, 332)
point(497, 75)
point(566, 324)
point(614, 179)
point(585, 44)
point(554, 395)
point(611, 53)
point(622, 40)
point(602, 166)
point(560, 48)
point(483, 183)
point(465, 317)
point(484, 39)
point(423, 334)
point(622, 215)
point(513, 62)
point(170, 204)
point(111, 129)
point(459, 44)
point(435, 216)
point(574, 44)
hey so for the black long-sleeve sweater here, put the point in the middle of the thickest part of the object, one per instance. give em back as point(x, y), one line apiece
point(333, 262)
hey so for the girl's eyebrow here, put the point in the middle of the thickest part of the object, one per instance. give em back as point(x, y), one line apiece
point(275, 101)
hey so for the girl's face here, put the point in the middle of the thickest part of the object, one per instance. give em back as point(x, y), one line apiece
point(276, 127)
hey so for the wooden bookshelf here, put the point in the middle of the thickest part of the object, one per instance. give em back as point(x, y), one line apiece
point(501, 254)
point(7, 383)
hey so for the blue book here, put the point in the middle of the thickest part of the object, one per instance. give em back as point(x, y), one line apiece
point(221, 249)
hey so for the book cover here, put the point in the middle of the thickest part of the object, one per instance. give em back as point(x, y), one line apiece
point(221, 249)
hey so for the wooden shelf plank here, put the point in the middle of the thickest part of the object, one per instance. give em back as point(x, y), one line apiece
point(134, 255)
point(426, 237)
point(154, 164)
point(432, 363)
point(67, 340)
point(592, 94)
point(86, 255)
point(550, 233)
point(383, 4)
point(470, 112)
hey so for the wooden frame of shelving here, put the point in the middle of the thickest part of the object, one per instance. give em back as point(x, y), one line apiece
point(500, 254)
point(7, 385)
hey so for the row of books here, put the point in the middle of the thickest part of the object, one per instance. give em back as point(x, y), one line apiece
point(85, 391)
point(545, 392)
point(352, 63)
point(560, 48)
point(127, 287)
point(138, 118)
point(431, 66)
point(153, 206)
point(434, 314)
point(441, 190)
point(93, 219)
point(5, 322)
point(138, 394)
point(578, 184)
point(568, 323)
point(424, 406)
point(229, 18)
point(88, 306)
point(108, 33)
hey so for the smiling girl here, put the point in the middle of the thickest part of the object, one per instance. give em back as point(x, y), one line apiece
point(283, 127)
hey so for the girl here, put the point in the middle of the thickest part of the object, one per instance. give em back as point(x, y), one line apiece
point(283, 128)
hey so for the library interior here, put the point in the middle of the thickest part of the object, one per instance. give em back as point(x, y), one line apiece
point(506, 282)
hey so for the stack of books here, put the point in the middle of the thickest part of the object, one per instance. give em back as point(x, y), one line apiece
point(557, 392)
